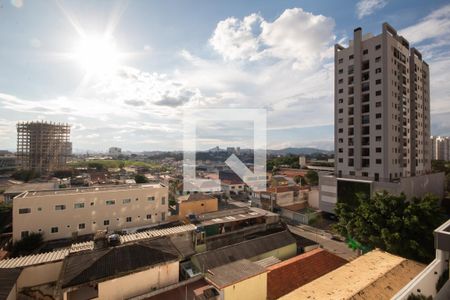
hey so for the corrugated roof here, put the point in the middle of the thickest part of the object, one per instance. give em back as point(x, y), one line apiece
point(8, 278)
point(132, 237)
point(34, 259)
point(268, 261)
point(77, 247)
point(244, 250)
point(98, 265)
point(232, 273)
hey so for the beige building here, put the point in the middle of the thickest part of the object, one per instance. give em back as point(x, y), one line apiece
point(196, 204)
point(73, 212)
point(440, 147)
point(382, 108)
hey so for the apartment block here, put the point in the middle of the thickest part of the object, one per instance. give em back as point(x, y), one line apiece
point(440, 147)
point(43, 146)
point(382, 108)
point(74, 212)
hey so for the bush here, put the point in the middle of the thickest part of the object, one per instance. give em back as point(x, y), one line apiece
point(25, 175)
point(28, 244)
point(419, 297)
point(141, 179)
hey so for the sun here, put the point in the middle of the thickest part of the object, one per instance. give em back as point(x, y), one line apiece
point(97, 55)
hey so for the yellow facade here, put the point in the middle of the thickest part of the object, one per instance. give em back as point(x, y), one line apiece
point(197, 207)
point(253, 288)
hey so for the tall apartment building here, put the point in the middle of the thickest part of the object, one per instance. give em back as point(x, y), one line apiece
point(382, 121)
point(440, 147)
point(43, 146)
point(73, 212)
point(382, 108)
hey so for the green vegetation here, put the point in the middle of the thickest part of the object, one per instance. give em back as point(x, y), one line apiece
point(5, 207)
point(28, 244)
point(140, 179)
point(63, 174)
point(312, 177)
point(300, 180)
point(290, 160)
point(25, 175)
point(100, 164)
point(391, 223)
point(419, 297)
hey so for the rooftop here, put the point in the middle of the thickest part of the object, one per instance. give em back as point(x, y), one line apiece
point(85, 190)
point(98, 265)
point(196, 197)
point(234, 272)
point(24, 187)
point(243, 250)
point(353, 278)
point(8, 278)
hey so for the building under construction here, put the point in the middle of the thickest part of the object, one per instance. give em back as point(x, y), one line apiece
point(43, 146)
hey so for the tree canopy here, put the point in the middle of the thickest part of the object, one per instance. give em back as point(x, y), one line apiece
point(391, 223)
point(312, 177)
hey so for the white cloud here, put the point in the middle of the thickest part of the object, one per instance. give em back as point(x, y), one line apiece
point(295, 35)
point(17, 3)
point(368, 7)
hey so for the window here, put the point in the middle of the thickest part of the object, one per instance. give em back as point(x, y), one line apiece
point(341, 91)
point(341, 101)
point(341, 60)
point(377, 70)
point(128, 219)
point(351, 69)
point(365, 108)
point(378, 116)
point(350, 57)
point(341, 71)
point(163, 216)
point(163, 200)
point(110, 202)
point(378, 161)
point(377, 47)
point(365, 87)
point(60, 207)
point(341, 160)
point(39, 208)
point(341, 80)
point(81, 226)
point(152, 198)
point(377, 59)
point(54, 230)
point(378, 81)
point(378, 150)
point(378, 139)
point(365, 51)
point(365, 174)
point(378, 104)
point(377, 176)
point(106, 222)
point(378, 93)
point(24, 211)
point(149, 217)
point(365, 119)
point(378, 127)
point(340, 130)
point(78, 205)
point(125, 201)
point(24, 234)
point(341, 110)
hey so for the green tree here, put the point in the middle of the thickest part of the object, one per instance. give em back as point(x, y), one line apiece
point(28, 244)
point(312, 177)
point(392, 224)
point(300, 180)
point(140, 179)
point(25, 175)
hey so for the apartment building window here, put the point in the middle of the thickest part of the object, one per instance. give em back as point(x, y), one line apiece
point(350, 69)
point(351, 131)
point(378, 81)
point(378, 116)
point(128, 219)
point(81, 226)
point(352, 173)
point(60, 207)
point(341, 140)
point(378, 150)
point(54, 230)
point(341, 60)
point(78, 205)
point(350, 56)
point(340, 91)
point(110, 202)
point(351, 90)
point(365, 65)
point(365, 76)
point(341, 150)
point(365, 98)
point(365, 87)
point(378, 127)
point(351, 162)
point(126, 201)
point(149, 217)
point(377, 59)
point(350, 152)
point(350, 80)
point(106, 222)
point(365, 163)
point(351, 100)
point(341, 110)
point(366, 130)
point(378, 161)
point(340, 120)
point(341, 130)
point(341, 101)
point(341, 80)
point(378, 104)
point(365, 51)
point(378, 93)
point(377, 177)
point(377, 47)
point(163, 216)
point(24, 211)
point(341, 71)
point(152, 198)
point(365, 152)
point(163, 200)
point(351, 110)
point(365, 119)
point(377, 70)
point(365, 108)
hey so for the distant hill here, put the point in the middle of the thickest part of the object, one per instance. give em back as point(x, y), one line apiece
point(299, 151)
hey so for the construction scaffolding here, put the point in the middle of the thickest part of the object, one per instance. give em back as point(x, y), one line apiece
point(43, 146)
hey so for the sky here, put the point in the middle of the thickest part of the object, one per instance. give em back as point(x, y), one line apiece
point(124, 73)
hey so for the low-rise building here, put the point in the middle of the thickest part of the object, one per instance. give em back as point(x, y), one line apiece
point(69, 213)
point(375, 275)
point(241, 279)
point(17, 189)
point(196, 204)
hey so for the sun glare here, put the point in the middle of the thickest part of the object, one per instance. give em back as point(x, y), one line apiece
point(97, 54)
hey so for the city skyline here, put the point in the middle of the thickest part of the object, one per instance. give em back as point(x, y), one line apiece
point(129, 89)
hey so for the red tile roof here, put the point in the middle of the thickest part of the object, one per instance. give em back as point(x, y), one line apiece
point(293, 273)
